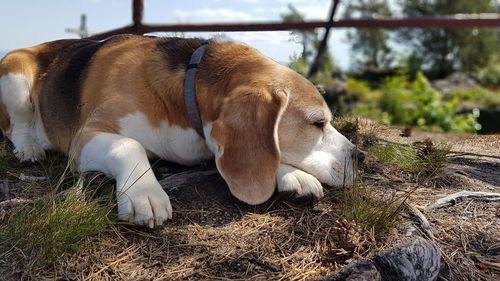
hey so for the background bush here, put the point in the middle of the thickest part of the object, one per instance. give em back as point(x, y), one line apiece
point(416, 103)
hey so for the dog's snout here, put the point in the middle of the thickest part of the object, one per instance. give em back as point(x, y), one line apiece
point(360, 156)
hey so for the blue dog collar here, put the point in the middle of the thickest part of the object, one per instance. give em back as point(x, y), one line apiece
point(190, 90)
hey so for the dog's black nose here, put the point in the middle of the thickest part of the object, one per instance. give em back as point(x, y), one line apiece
point(360, 156)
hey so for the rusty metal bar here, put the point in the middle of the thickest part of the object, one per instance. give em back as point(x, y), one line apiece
point(457, 21)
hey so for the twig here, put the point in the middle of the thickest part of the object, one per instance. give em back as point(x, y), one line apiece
point(269, 267)
point(14, 202)
point(175, 181)
point(422, 221)
point(454, 198)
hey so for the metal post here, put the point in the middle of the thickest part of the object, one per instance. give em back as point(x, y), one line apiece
point(137, 15)
point(315, 66)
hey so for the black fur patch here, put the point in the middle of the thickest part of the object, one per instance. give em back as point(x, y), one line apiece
point(177, 51)
point(46, 57)
point(66, 70)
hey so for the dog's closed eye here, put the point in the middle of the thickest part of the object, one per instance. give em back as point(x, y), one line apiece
point(316, 118)
point(320, 124)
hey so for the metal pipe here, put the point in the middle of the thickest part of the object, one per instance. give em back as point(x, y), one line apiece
point(457, 21)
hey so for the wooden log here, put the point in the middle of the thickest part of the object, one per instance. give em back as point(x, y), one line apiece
point(417, 260)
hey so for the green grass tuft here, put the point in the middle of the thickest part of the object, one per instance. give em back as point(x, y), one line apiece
point(362, 206)
point(420, 157)
point(45, 230)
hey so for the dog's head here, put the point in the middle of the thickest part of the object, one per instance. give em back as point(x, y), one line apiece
point(307, 139)
point(277, 117)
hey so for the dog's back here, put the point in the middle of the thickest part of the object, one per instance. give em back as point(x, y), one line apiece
point(63, 82)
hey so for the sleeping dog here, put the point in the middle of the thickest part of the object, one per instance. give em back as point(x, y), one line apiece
point(112, 104)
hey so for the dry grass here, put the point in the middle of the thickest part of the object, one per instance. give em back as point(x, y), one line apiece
point(217, 241)
point(214, 237)
point(469, 243)
point(359, 131)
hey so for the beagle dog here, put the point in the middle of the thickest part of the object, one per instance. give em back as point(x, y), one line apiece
point(110, 105)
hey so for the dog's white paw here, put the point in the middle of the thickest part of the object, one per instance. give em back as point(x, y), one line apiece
point(147, 205)
point(29, 151)
point(298, 182)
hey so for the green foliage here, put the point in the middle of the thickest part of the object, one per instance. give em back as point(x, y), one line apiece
point(359, 89)
point(368, 99)
point(475, 97)
point(298, 64)
point(46, 229)
point(416, 104)
point(490, 75)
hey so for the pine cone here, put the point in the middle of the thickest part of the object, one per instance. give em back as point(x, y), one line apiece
point(349, 234)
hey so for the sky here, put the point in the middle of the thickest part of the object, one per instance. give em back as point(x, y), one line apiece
point(29, 22)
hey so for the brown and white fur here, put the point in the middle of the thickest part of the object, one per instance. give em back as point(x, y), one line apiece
point(112, 104)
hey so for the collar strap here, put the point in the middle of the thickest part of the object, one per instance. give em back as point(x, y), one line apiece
point(190, 90)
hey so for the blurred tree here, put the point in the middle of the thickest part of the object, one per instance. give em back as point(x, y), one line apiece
point(443, 51)
point(309, 39)
point(304, 37)
point(369, 45)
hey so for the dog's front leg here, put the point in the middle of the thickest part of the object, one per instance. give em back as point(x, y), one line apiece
point(297, 182)
point(140, 197)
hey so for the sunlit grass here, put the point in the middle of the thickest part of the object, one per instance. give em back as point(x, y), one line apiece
point(361, 205)
point(416, 158)
point(46, 229)
point(57, 222)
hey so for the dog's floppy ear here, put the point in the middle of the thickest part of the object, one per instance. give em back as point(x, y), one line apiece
point(245, 136)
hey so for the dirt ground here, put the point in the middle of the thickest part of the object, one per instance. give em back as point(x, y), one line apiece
point(467, 232)
point(214, 237)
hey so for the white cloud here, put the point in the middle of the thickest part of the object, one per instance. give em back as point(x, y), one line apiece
point(317, 10)
point(214, 15)
point(295, 2)
point(275, 44)
point(271, 37)
point(314, 11)
point(113, 2)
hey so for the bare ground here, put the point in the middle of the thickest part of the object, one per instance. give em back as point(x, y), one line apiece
point(214, 237)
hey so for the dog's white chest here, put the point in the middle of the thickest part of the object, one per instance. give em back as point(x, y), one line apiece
point(168, 142)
